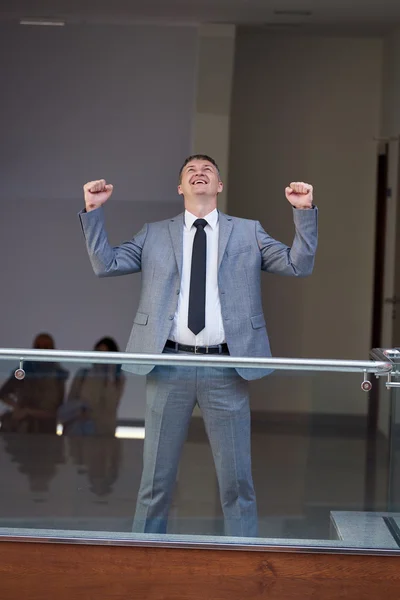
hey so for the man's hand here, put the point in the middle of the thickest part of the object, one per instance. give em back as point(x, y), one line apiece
point(300, 194)
point(96, 193)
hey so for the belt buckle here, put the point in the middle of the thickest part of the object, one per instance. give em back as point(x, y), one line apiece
point(195, 349)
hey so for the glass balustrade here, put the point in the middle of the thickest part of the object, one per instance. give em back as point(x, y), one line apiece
point(74, 425)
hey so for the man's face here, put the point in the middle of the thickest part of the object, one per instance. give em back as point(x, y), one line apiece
point(200, 178)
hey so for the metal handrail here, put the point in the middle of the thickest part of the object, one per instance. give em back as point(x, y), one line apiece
point(393, 356)
point(379, 354)
point(297, 364)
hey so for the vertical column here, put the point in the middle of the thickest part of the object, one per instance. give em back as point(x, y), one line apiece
point(213, 99)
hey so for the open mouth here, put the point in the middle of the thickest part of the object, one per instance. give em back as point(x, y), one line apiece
point(199, 182)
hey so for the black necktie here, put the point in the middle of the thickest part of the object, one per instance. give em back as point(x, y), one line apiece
point(197, 292)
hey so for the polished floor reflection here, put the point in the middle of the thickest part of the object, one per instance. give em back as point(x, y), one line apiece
point(301, 474)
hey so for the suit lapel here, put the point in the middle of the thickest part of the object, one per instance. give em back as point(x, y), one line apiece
point(225, 230)
point(176, 233)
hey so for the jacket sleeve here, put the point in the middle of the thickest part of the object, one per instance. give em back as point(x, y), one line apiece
point(108, 261)
point(297, 260)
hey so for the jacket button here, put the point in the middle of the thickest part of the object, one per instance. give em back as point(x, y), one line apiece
point(171, 317)
point(177, 292)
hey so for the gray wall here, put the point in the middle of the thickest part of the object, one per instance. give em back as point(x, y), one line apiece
point(390, 132)
point(214, 94)
point(86, 100)
point(308, 108)
point(119, 102)
point(79, 103)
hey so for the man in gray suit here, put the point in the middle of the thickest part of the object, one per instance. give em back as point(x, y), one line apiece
point(200, 294)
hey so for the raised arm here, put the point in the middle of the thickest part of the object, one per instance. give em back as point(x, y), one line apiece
point(107, 261)
point(297, 260)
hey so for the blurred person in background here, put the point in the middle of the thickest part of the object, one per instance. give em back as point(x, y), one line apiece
point(33, 401)
point(93, 400)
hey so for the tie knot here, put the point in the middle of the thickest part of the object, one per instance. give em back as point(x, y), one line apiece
point(200, 223)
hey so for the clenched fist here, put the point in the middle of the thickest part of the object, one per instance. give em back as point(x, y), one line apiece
point(96, 193)
point(300, 194)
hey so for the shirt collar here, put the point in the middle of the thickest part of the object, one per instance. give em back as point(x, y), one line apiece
point(211, 218)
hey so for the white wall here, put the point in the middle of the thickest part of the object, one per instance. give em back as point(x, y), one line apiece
point(308, 108)
point(78, 103)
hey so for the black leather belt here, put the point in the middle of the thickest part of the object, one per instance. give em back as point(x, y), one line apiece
point(220, 349)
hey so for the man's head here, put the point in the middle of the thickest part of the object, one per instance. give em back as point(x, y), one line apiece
point(199, 178)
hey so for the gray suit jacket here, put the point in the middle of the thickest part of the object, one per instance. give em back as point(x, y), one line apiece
point(245, 250)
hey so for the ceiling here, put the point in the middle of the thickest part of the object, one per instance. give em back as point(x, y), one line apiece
point(371, 15)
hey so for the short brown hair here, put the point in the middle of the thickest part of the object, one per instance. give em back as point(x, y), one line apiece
point(198, 157)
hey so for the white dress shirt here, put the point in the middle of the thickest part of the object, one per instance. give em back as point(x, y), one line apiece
point(213, 333)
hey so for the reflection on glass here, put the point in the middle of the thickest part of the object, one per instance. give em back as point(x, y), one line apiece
point(309, 471)
point(99, 458)
point(35, 457)
point(394, 478)
point(31, 404)
point(92, 404)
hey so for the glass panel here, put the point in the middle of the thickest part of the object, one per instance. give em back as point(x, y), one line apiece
point(394, 472)
point(315, 482)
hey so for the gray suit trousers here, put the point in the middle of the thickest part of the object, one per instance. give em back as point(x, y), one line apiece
point(222, 395)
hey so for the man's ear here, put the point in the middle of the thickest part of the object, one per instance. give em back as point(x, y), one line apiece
point(180, 191)
point(220, 187)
